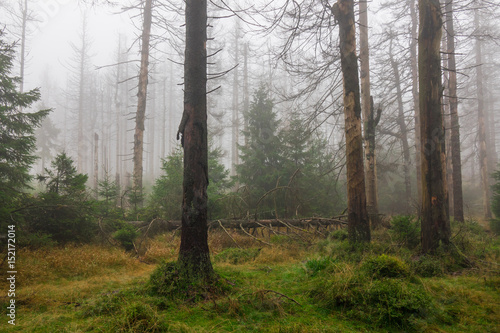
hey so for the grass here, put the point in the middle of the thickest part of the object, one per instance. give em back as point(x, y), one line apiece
point(327, 286)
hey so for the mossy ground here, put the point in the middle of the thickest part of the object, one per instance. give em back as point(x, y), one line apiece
point(324, 286)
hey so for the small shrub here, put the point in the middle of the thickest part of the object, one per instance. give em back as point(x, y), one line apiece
point(495, 226)
point(340, 235)
point(237, 256)
point(406, 231)
point(385, 266)
point(428, 266)
point(383, 303)
point(126, 236)
point(314, 266)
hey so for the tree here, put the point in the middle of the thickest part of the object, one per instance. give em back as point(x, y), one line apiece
point(367, 110)
point(482, 136)
point(458, 205)
point(435, 224)
point(261, 163)
point(194, 255)
point(17, 129)
point(359, 225)
point(63, 178)
point(141, 99)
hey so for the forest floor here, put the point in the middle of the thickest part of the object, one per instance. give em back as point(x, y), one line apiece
point(295, 284)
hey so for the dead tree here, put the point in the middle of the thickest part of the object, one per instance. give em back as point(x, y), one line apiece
point(359, 225)
point(141, 99)
point(435, 222)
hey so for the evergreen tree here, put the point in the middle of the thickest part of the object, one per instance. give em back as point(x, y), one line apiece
point(17, 139)
point(261, 164)
point(167, 191)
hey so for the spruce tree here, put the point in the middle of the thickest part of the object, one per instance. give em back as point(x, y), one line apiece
point(17, 138)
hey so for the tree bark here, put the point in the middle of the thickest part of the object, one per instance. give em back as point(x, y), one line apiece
point(415, 94)
point(141, 100)
point(194, 256)
point(367, 110)
point(246, 94)
point(359, 225)
point(458, 204)
point(483, 144)
point(435, 224)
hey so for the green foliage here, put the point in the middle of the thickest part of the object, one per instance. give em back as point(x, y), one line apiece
point(237, 256)
point(406, 231)
point(314, 266)
point(63, 212)
point(17, 139)
point(166, 198)
point(108, 193)
point(284, 169)
point(126, 236)
point(385, 266)
point(428, 266)
point(495, 204)
point(385, 303)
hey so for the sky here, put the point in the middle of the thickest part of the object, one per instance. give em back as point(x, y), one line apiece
point(59, 25)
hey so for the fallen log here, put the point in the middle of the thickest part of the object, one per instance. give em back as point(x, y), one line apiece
point(164, 225)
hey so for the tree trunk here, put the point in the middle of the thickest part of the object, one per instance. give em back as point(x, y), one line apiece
point(415, 95)
point(367, 108)
point(235, 115)
point(403, 130)
point(435, 222)
point(359, 225)
point(141, 100)
point(24, 21)
point(483, 145)
point(246, 94)
point(96, 165)
point(194, 256)
point(458, 202)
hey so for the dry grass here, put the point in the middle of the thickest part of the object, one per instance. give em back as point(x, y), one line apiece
point(70, 262)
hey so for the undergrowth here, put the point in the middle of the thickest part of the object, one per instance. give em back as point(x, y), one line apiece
point(328, 286)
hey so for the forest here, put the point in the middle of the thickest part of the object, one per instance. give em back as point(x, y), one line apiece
point(265, 166)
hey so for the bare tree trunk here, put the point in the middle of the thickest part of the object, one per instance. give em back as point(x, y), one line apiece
point(24, 22)
point(415, 95)
point(194, 255)
point(367, 108)
point(82, 82)
point(435, 222)
point(403, 131)
point(235, 115)
point(445, 110)
point(96, 164)
point(359, 225)
point(171, 109)
point(141, 100)
point(458, 204)
point(246, 93)
point(483, 145)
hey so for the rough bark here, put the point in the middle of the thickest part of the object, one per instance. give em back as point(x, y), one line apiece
point(96, 164)
point(24, 21)
point(483, 144)
point(194, 256)
point(435, 224)
point(367, 111)
point(403, 129)
point(458, 205)
point(359, 225)
point(415, 95)
point(141, 99)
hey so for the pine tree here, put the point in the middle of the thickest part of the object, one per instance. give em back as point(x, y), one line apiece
point(261, 163)
point(17, 128)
